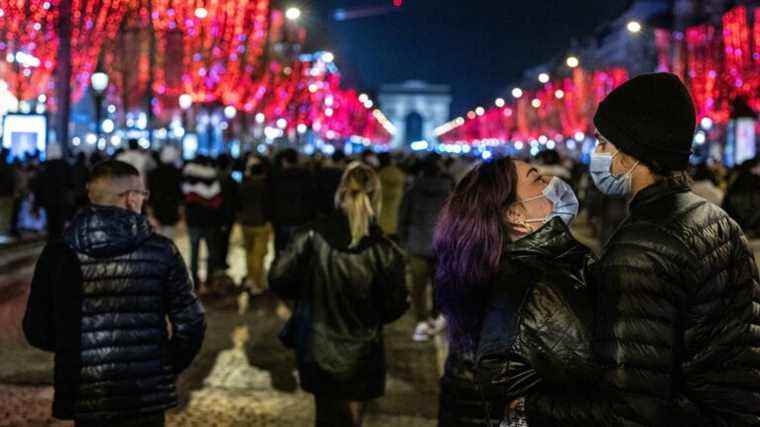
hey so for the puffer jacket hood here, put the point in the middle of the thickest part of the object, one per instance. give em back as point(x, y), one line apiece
point(106, 231)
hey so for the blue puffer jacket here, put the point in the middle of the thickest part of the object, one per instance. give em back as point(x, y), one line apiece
point(99, 300)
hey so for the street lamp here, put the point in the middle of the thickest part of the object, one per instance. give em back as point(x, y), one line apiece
point(328, 57)
point(185, 102)
point(230, 112)
point(99, 82)
point(572, 61)
point(634, 27)
point(293, 13)
point(543, 78)
point(517, 92)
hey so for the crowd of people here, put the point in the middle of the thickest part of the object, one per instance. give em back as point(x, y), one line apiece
point(659, 328)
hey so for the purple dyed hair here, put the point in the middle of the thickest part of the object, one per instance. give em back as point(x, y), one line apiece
point(468, 243)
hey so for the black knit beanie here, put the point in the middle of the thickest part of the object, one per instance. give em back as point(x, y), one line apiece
point(651, 118)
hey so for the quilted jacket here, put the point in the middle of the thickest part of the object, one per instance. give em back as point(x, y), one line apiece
point(677, 322)
point(100, 301)
point(348, 293)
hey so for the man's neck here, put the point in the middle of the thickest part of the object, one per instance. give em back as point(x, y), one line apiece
point(640, 180)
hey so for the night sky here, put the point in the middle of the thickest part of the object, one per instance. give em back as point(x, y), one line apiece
point(476, 46)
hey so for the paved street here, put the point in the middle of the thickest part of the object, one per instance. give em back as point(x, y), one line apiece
point(243, 376)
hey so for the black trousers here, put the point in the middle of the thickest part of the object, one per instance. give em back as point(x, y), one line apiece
point(149, 420)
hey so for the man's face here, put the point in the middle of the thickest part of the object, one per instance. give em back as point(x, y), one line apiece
point(620, 162)
point(135, 195)
point(126, 193)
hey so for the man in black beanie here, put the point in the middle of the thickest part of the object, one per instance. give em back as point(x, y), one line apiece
point(677, 312)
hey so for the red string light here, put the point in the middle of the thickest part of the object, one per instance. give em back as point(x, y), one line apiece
point(28, 46)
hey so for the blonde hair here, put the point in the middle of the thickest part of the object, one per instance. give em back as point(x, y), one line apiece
point(358, 196)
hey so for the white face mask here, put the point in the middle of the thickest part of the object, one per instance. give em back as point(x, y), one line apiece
point(564, 202)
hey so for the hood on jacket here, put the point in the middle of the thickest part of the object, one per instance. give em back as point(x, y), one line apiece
point(105, 231)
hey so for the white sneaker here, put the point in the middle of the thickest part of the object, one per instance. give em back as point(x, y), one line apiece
point(437, 325)
point(422, 332)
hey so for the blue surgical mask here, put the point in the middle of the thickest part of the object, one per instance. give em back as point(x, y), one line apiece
point(565, 203)
point(609, 184)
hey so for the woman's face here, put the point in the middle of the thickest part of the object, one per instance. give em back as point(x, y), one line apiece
point(530, 184)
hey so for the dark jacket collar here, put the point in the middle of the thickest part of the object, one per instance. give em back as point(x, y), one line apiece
point(552, 240)
point(655, 193)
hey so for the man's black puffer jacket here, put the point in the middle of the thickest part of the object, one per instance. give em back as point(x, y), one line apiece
point(100, 302)
point(348, 293)
point(677, 322)
point(536, 329)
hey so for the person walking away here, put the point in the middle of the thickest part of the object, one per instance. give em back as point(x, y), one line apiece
point(165, 184)
point(229, 208)
point(293, 198)
point(100, 299)
point(704, 185)
point(418, 213)
point(137, 157)
point(392, 181)
point(328, 174)
point(519, 316)
point(80, 175)
point(255, 203)
point(676, 287)
point(742, 200)
point(7, 191)
point(54, 191)
point(202, 192)
point(348, 281)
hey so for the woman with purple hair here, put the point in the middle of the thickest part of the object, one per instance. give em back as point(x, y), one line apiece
point(510, 282)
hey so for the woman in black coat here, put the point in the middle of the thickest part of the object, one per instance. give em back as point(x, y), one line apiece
point(510, 283)
point(348, 281)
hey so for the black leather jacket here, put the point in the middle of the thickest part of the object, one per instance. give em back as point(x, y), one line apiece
point(677, 322)
point(535, 332)
point(100, 300)
point(349, 293)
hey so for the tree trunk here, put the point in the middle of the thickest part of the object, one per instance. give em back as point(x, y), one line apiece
point(63, 75)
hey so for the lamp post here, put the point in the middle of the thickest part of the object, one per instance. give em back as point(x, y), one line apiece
point(185, 102)
point(99, 82)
